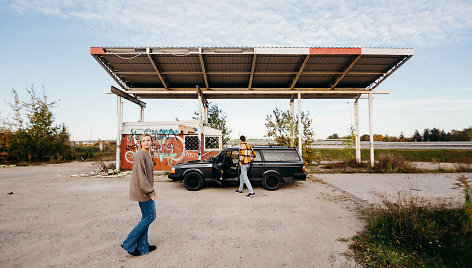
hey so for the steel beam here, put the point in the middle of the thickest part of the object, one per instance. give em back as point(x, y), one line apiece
point(127, 96)
point(297, 76)
point(245, 91)
point(390, 71)
point(252, 71)
point(116, 78)
point(157, 71)
point(340, 77)
point(244, 73)
point(202, 64)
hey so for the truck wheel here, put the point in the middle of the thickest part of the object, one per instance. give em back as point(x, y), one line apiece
point(271, 181)
point(193, 181)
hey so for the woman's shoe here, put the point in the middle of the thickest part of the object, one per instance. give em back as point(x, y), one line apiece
point(152, 248)
point(134, 253)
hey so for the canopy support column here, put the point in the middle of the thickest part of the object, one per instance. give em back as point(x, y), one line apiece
point(119, 122)
point(141, 114)
point(358, 140)
point(200, 122)
point(292, 121)
point(371, 135)
point(300, 126)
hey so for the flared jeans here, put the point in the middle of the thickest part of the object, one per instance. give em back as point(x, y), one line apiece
point(137, 240)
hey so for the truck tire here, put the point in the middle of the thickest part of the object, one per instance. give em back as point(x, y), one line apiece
point(271, 181)
point(193, 181)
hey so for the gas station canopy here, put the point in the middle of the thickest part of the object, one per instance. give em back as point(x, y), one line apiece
point(249, 73)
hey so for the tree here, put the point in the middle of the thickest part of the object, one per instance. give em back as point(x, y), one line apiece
point(401, 137)
point(280, 126)
point(36, 138)
point(435, 135)
point(334, 136)
point(217, 119)
point(426, 135)
point(349, 142)
point(417, 136)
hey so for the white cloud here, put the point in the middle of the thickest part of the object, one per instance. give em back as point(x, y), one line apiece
point(266, 23)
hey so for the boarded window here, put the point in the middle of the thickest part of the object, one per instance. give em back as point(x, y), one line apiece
point(212, 142)
point(281, 155)
point(191, 143)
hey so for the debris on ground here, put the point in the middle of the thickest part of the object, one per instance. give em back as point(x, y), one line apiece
point(104, 170)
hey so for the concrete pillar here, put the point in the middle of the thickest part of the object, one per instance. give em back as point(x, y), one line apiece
point(300, 126)
point(292, 123)
point(119, 122)
point(371, 134)
point(358, 140)
point(205, 113)
point(141, 115)
point(200, 126)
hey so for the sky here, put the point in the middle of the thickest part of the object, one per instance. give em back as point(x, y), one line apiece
point(46, 45)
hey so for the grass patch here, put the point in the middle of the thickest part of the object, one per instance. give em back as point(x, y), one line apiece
point(438, 155)
point(413, 232)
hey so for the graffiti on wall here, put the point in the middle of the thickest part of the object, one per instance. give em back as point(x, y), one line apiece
point(167, 145)
point(167, 148)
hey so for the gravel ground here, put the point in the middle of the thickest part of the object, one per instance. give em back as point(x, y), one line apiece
point(49, 219)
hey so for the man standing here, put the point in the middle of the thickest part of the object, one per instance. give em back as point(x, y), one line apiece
point(246, 154)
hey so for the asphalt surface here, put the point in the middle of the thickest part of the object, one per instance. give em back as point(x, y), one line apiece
point(374, 188)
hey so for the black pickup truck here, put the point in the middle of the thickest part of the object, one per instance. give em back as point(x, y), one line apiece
point(273, 166)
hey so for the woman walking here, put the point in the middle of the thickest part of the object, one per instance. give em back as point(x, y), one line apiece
point(142, 190)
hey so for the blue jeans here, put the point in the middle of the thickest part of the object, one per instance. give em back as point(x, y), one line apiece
point(137, 240)
point(243, 179)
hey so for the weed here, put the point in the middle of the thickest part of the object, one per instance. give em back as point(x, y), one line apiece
point(393, 163)
point(463, 167)
point(413, 232)
point(464, 184)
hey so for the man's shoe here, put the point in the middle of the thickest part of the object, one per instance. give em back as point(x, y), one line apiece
point(238, 191)
point(251, 194)
point(152, 248)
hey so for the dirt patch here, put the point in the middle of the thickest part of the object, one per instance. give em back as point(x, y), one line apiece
point(52, 219)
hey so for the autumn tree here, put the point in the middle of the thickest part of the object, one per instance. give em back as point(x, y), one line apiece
point(280, 127)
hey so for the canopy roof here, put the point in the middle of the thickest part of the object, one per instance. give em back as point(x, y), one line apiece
point(218, 72)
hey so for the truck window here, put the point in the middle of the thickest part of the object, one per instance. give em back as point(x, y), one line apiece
point(281, 155)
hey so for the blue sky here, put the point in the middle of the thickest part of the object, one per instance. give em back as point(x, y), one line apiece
point(46, 43)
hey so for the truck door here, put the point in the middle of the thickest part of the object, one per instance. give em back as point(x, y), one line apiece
point(257, 166)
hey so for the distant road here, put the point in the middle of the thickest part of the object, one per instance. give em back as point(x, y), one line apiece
point(320, 144)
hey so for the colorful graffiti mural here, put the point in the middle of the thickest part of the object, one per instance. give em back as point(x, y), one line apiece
point(167, 148)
